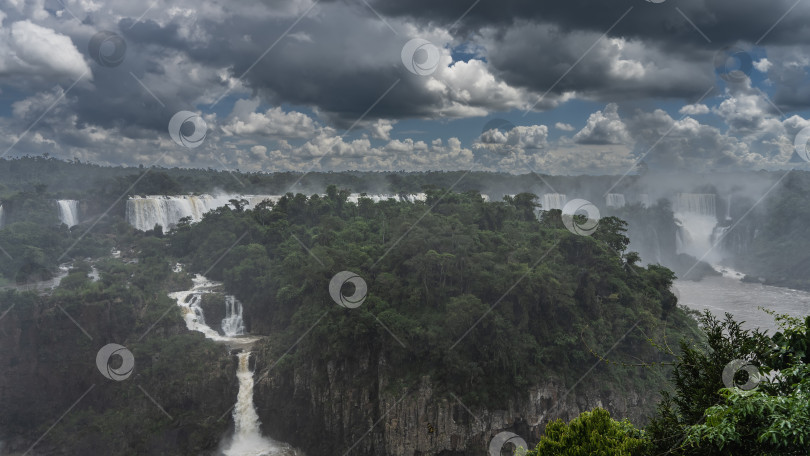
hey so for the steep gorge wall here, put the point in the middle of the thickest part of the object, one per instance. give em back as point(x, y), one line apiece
point(330, 409)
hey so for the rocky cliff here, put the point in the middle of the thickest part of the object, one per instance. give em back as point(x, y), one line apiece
point(357, 406)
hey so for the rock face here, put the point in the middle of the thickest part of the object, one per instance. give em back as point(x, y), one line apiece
point(331, 409)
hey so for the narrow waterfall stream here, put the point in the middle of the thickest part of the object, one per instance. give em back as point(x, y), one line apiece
point(68, 212)
point(247, 439)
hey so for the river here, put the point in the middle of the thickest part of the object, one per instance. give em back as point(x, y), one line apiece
point(729, 294)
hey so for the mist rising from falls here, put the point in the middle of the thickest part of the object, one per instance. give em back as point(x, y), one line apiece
point(68, 212)
point(696, 217)
point(644, 199)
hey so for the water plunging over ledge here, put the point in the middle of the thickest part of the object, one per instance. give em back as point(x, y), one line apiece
point(247, 439)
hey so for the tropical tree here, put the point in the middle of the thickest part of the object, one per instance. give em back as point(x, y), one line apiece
point(592, 433)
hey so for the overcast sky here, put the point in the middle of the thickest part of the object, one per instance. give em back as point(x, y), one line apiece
point(558, 87)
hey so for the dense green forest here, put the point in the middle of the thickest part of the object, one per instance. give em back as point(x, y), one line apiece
point(431, 274)
point(482, 297)
point(49, 343)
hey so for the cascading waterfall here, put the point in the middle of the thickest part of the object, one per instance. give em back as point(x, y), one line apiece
point(728, 209)
point(377, 197)
point(144, 212)
point(233, 324)
point(553, 201)
point(190, 303)
point(614, 200)
point(2, 217)
point(696, 216)
point(68, 212)
point(247, 439)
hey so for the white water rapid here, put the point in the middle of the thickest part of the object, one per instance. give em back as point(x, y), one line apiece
point(190, 303)
point(247, 436)
point(68, 212)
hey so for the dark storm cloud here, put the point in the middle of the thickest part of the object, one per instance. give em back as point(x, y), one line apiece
point(723, 22)
point(341, 58)
point(336, 61)
point(532, 44)
point(150, 32)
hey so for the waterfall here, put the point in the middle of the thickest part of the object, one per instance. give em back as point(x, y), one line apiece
point(244, 414)
point(190, 302)
point(695, 203)
point(68, 212)
point(247, 437)
point(2, 217)
point(233, 324)
point(614, 200)
point(144, 212)
point(413, 197)
point(728, 209)
point(696, 217)
point(553, 201)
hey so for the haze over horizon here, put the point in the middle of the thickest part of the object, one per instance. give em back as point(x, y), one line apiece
point(297, 85)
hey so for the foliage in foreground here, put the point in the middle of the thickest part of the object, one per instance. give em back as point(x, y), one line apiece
point(592, 433)
point(703, 416)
